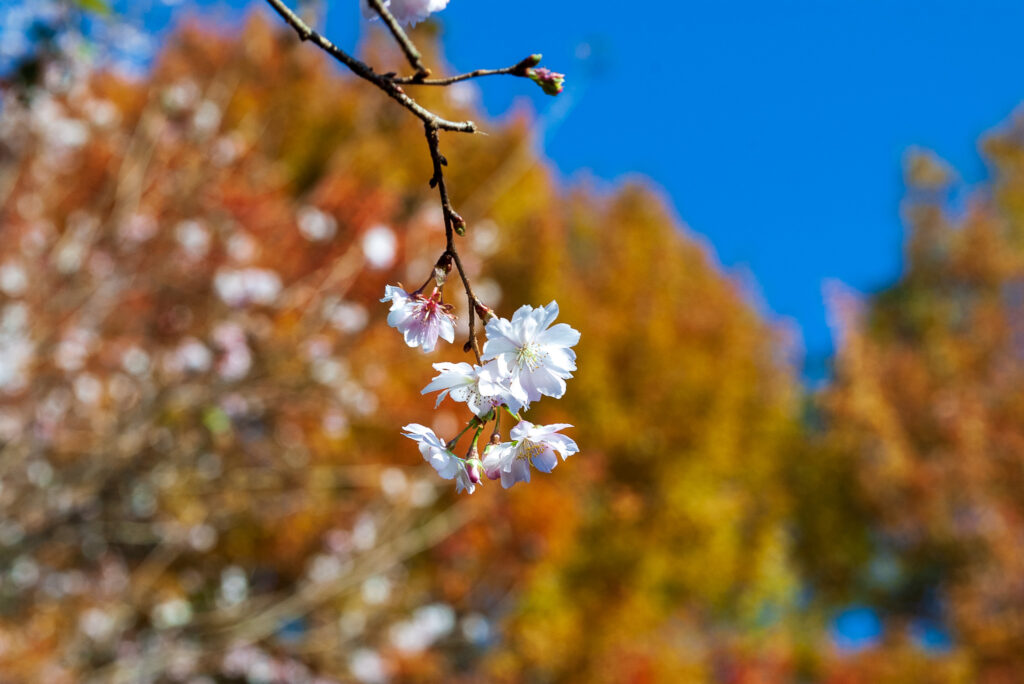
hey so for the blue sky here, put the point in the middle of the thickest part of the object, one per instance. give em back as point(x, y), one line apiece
point(775, 129)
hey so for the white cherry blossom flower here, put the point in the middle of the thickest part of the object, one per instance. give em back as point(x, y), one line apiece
point(481, 387)
point(421, 320)
point(409, 12)
point(436, 453)
point(537, 357)
point(536, 444)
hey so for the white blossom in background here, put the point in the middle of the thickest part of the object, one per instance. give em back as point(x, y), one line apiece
point(538, 358)
point(88, 390)
point(237, 358)
point(13, 279)
point(346, 317)
point(180, 96)
point(488, 290)
point(376, 590)
point(463, 94)
point(427, 624)
point(316, 225)
point(485, 239)
point(138, 228)
point(172, 613)
point(135, 360)
point(193, 238)
point(190, 356)
point(59, 131)
point(73, 349)
point(537, 444)
point(242, 247)
point(482, 388)
point(234, 586)
point(367, 666)
point(247, 286)
point(102, 113)
point(380, 246)
point(207, 116)
point(409, 12)
point(421, 320)
point(97, 624)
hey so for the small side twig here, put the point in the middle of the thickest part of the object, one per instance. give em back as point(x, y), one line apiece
point(518, 69)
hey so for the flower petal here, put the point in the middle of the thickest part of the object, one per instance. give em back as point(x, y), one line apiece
point(545, 461)
point(561, 335)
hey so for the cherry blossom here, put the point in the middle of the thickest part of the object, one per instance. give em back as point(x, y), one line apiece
point(481, 387)
point(410, 12)
point(536, 444)
point(537, 358)
point(421, 320)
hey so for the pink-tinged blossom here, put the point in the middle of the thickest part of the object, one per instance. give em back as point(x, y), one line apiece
point(410, 12)
point(436, 453)
point(481, 387)
point(537, 444)
point(421, 320)
point(537, 358)
point(465, 480)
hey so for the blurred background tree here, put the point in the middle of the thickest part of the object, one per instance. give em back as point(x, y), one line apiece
point(925, 417)
point(203, 479)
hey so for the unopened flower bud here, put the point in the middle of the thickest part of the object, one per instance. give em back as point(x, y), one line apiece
point(458, 223)
point(550, 82)
point(474, 467)
point(527, 63)
point(484, 312)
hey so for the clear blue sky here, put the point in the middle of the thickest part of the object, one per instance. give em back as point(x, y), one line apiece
point(776, 129)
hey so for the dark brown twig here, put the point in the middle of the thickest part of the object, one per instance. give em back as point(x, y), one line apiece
point(414, 80)
point(521, 68)
point(450, 219)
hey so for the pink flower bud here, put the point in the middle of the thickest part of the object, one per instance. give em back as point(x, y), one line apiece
point(474, 468)
point(549, 81)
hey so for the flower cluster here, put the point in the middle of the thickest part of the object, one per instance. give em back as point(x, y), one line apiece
point(523, 359)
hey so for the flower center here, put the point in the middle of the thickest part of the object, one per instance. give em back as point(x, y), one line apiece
point(531, 356)
point(426, 309)
point(528, 449)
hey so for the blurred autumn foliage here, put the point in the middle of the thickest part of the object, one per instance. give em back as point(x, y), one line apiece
point(202, 473)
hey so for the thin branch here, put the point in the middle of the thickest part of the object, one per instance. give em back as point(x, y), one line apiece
point(366, 72)
point(411, 53)
point(450, 220)
point(415, 80)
